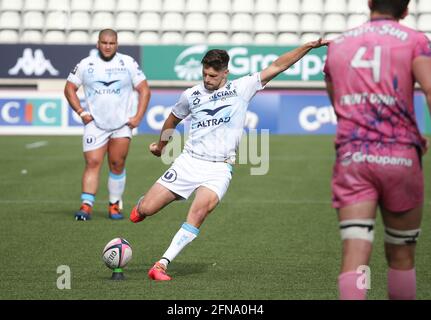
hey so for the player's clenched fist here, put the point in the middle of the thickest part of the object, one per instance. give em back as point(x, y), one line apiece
point(155, 149)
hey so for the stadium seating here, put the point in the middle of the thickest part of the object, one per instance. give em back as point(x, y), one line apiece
point(265, 6)
point(219, 6)
point(288, 22)
point(15, 5)
point(409, 21)
point(195, 21)
point(356, 6)
point(424, 22)
point(31, 36)
point(242, 22)
point(311, 22)
point(334, 22)
point(243, 6)
point(10, 20)
point(171, 37)
point(218, 38)
point(126, 37)
point(58, 5)
point(335, 6)
point(148, 37)
point(150, 21)
point(9, 36)
point(56, 20)
point(241, 38)
point(197, 6)
point(54, 36)
point(194, 38)
point(76, 37)
point(126, 21)
point(80, 20)
point(269, 22)
point(264, 22)
point(355, 20)
point(424, 6)
point(104, 6)
point(218, 22)
point(102, 20)
point(79, 5)
point(151, 6)
point(287, 38)
point(289, 6)
point(128, 6)
point(33, 20)
point(312, 6)
point(264, 38)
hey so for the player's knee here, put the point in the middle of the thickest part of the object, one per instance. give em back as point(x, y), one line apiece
point(93, 163)
point(147, 207)
point(117, 166)
point(401, 237)
point(360, 229)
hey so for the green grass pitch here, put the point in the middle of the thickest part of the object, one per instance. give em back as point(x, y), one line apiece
point(272, 237)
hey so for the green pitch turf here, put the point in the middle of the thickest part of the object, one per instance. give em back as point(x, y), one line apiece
point(273, 236)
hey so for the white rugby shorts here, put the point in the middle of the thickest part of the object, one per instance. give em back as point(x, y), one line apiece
point(95, 138)
point(187, 174)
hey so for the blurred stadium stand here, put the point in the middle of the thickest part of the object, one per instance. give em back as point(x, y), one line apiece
point(263, 22)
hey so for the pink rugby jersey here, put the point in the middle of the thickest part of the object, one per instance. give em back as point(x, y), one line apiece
point(371, 71)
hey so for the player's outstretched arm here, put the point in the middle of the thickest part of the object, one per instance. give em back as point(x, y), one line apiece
point(288, 59)
point(170, 124)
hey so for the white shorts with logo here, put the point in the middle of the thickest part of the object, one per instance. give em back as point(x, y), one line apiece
point(95, 138)
point(187, 174)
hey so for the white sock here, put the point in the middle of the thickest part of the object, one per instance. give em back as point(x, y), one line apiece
point(183, 237)
point(116, 186)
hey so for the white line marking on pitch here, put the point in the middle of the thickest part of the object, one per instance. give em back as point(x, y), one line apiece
point(37, 144)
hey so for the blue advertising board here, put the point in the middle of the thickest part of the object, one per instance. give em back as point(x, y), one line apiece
point(282, 112)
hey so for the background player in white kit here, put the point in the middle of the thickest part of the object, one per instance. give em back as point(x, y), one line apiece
point(218, 109)
point(109, 80)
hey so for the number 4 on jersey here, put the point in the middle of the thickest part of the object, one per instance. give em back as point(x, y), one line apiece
point(374, 64)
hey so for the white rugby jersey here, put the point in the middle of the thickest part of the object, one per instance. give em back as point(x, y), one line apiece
point(108, 87)
point(217, 117)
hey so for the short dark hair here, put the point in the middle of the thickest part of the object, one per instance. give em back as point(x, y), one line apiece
point(395, 8)
point(109, 32)
point(217, 59)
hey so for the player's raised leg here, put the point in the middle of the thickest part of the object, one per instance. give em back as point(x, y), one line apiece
point(357, 232)
point(90, 181)
point(401, 232)
point(118, 149)
point(205, 201)
point(152, 202)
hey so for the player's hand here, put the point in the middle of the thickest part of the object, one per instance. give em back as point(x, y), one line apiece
point(318, 43)
point(87, 119)
point(156, 149)
point(133, 122)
